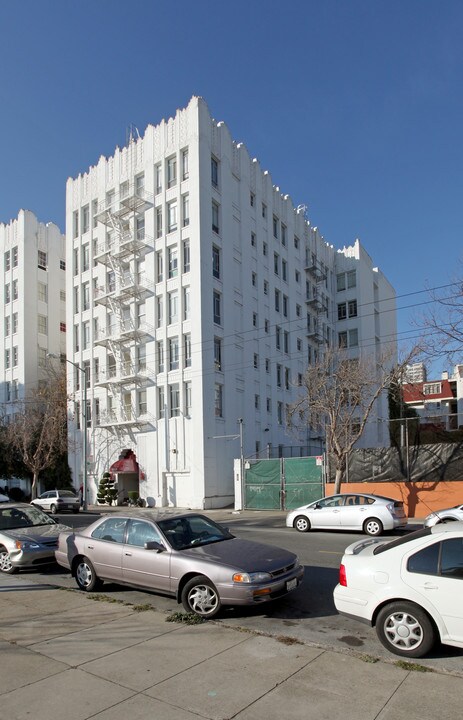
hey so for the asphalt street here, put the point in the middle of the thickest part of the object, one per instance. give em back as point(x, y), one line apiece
point(308, 614)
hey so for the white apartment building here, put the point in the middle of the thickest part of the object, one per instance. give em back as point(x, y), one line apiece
point(33, 304)
point(197, 295)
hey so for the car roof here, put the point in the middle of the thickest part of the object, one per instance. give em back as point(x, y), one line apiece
point(363, 494)
point(155, 515)
point(454, 526)
point(14, 504)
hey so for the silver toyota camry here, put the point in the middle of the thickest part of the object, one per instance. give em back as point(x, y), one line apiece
point(188, 556)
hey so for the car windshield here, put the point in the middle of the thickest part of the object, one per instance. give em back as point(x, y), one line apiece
point(12, 518)
point(191, 531)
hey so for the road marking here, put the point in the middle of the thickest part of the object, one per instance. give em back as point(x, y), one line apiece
point(331, 552)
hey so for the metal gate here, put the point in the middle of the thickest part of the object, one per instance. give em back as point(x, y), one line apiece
point(282, 484)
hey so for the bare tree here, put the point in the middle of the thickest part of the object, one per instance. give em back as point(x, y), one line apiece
point(38, 431)
point(442, 322)
point(340, 393)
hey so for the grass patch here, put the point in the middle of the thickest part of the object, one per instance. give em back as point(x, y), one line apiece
point(287, 640)
point(411, 666)
point(368, 658)
point(142, 608)
point(185, 618)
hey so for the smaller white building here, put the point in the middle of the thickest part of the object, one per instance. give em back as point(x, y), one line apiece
point(32, 304)
point(439, 403)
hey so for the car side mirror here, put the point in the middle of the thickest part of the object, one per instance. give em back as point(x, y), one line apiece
point(153, 545)
point(317, 506)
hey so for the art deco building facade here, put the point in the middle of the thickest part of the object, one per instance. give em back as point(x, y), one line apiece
point(197, 296)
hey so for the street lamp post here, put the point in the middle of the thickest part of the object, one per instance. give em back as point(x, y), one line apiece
point(84, 438)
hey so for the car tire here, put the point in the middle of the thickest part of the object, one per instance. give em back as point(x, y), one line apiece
point(85, 575)
point(301, 523)
point(373, 526)
point(405, 629)
point(200, 596)
point(53, 509)
point(6, 566)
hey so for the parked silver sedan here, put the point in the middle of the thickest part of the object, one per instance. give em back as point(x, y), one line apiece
point(28, 537)
point(370, 514)
point(188, 556)
point(444, 516)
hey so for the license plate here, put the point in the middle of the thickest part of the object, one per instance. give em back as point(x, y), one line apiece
point(291, 584)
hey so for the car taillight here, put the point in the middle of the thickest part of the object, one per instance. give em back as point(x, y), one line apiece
point(342, 576)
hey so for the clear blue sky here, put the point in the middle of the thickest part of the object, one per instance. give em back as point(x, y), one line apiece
point(354, 106)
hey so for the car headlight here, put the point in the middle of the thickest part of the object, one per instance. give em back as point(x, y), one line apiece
point(25, 545)
point(251, 577)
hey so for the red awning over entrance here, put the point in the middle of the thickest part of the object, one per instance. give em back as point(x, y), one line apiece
point(127, 463)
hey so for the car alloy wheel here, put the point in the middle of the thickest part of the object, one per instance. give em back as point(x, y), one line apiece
point(6, 566)
point(373, 527)
point(301, 523)
point(405, 629)
point(85, 575)
point(201, 597)
point(53, 509)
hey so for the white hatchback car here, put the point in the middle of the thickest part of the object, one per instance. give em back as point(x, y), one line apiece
point(370, 514)
point(410, 589)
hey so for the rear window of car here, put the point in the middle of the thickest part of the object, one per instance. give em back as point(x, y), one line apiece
point(67, 493)
point(397, 503)
point(402, 540)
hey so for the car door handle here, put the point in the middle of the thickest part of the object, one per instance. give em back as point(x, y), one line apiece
point(430, 586)
point(90, 547)
point(128, 554)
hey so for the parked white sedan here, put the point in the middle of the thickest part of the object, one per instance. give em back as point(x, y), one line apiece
point(410, 589)
point(370, 514)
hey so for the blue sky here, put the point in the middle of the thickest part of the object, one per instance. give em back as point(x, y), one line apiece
point(354, 106)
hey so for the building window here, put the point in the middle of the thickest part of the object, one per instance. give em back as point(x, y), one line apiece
point(276, 225)
point(187, 398)
point(85, 257)
point(62, 327)
point(185, 210)
point(286, 378)
point(173, 261)
point(297, 276)
point(7, 359)
point(278, 337)
point(186, 303)
point(280, 413)
point(353, 338)
point(217, 353)
point(351, 279)
point(217, 311)
point(75, 224)
point(171, 172)
point(86, 294)
point(296, 242)
point(15, 290)
point(42, 324)
point(186, 256)
point(173, 353)
point(264, 210)
point(215, 217)
point(255, 321)
point(62, 265)
point(279, 376)
point(158, 222)
point(214, 172)
point(161, 403)
point(85, 335)
point(269, 405)
point(172, 216)
point(285, 306)
point(352, 308)
point(158, 178)
point(257, 402)
point(7, 326)
point(253, 239)
point(432, 388)
point(340, 282)
point(298, 311)
point(95, 213)
point(255, 361)
point(15, 323)
point(218, 400)
point(254, 279)
point(42, 260)
point(159, 311)
point(185, 165)
point(174, 400)
point(173, 307)
point(85, 219)
point(265, 287)
point(7, 261)
point(342, 311)
point(267, 366)
point(264, 249)
point(286, 342)
point(252, 199)
point(266, 325)
point(277, 300)
point(42, 292)
point(159, 267)
point(284, 234)
point(160, 356)
point(216, 262)
point(276, 263)
point(187, 349)
point(14, 254)
point(284, 270)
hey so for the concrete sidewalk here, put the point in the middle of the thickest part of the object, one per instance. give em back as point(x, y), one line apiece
point(65, 655)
